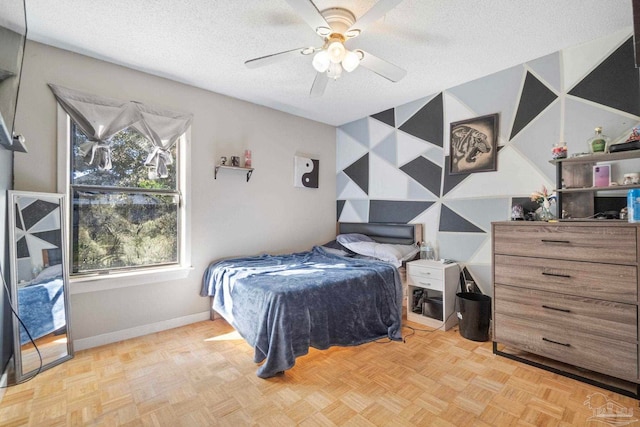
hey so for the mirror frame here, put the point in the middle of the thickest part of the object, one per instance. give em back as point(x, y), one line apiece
point(12, 200)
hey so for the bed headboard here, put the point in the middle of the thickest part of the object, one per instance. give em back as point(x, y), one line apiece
point(405, 234)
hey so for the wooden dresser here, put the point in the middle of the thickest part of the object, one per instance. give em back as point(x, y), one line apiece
point(566, 299)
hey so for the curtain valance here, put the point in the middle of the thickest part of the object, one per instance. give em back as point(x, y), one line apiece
point(100, 118)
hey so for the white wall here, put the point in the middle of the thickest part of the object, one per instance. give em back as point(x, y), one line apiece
point(229, 216)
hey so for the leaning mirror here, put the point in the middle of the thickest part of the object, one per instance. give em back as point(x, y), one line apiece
point(39, 281)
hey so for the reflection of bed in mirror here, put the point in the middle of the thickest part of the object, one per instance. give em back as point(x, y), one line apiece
point(41, 300)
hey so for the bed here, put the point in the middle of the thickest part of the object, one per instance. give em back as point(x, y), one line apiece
point(327, 296)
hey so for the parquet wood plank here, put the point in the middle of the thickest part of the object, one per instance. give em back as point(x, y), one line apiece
point(203, 375)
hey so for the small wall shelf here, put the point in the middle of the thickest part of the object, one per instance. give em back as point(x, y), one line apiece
point(249, 171)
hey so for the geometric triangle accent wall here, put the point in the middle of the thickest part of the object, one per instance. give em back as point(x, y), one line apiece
point(387, 116)
point(451, 221)
point(393, 166)
point(614, 82)
point(339, 207)
point(425, 172)
point(400, 212)
point(359, 172)
point(451, 181)
point(535, 97)
point(427, 123)
point(36, 211)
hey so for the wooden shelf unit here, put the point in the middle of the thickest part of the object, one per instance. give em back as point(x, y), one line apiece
point(574, 182)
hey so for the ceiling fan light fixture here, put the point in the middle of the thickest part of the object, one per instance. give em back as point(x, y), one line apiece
point(352, 33)
point(323, 31)
point(351, 61)
point(336, 52)
point(321, 61)
point(335, 71)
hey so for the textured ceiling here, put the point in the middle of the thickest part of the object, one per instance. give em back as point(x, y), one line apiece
point(204, 43)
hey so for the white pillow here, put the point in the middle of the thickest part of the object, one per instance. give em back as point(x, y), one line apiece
point(390, 253)
point(48, 274)
point(343, 239)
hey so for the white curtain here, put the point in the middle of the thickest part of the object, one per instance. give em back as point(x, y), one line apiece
point(162, 128)
point(100, 118)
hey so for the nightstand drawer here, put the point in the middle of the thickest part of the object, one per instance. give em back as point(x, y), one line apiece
point(615, 245)
point(594, 316)
point(426, 282)
point(612, 357)
point(424, 272)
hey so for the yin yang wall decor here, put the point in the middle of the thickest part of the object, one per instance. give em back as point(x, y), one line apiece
point(306, 172)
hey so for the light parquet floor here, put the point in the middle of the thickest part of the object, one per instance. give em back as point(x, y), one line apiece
point(203, 375)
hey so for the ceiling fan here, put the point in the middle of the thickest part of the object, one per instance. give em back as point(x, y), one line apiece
point(336, 26)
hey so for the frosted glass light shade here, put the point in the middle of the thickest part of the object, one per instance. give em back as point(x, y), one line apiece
point(350, 62)
point(335, 71)
point(336, 52)
point(321, 61)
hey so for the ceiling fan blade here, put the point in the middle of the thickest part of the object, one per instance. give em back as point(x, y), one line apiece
point(277, 57)
point(376, 12)
point(309, 13)
point(319, 85)
point(381, 67)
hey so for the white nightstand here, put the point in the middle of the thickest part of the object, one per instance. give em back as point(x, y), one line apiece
point(431, 293)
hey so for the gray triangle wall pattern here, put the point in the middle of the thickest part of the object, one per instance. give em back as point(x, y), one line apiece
point(397, 161)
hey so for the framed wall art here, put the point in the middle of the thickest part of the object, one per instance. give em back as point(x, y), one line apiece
point(306, 172)
point(474, 145)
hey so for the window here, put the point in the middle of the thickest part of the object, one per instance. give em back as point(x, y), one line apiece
point(124, 217)
point(124, 166)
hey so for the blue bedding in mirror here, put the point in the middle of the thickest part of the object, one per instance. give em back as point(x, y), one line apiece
point(41, 308)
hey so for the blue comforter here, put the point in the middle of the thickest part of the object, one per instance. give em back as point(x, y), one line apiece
point(282, 305)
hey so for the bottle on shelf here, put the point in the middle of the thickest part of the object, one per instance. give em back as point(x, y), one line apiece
point(598, 143)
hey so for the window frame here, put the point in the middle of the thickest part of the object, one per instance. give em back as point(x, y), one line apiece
point(92, 282)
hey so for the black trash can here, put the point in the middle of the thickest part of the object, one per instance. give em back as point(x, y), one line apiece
point(474, 315)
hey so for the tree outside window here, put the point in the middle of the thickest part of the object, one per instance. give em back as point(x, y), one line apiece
point(122, 218)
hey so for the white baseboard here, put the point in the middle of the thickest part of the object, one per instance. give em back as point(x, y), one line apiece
point(138, 331)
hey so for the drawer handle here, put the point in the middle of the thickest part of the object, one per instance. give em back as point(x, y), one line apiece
point(556, 342)
point(556, 275)
point(426, 284)
point(555, 241)
point(564, 310)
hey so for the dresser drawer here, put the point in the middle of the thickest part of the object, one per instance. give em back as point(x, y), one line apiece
point(597, 317)
point(616, 358)
point(594, 244)
point(603, 281)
